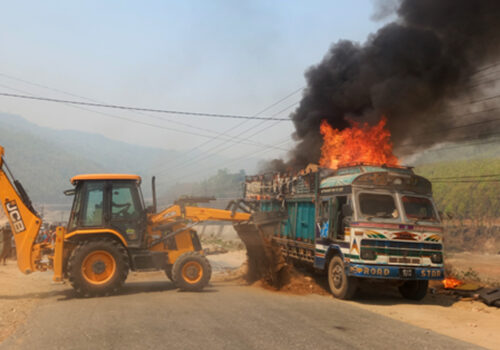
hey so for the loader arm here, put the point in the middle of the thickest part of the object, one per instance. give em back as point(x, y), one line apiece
point(24, 221)
point(176, 212)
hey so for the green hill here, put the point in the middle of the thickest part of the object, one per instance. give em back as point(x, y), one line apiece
point(476, 199)
point(472, 207)
point(44, 159)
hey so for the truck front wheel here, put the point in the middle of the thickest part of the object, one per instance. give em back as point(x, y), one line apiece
point(341, 285)
point(414, 290)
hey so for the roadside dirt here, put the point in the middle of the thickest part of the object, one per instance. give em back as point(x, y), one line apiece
point(467, 320)
point(19, 294)
point(485, 267)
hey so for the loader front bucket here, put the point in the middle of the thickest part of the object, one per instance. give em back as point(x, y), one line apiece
point(265, 260)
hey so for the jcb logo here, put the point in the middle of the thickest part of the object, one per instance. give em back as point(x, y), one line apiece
point(15, 216)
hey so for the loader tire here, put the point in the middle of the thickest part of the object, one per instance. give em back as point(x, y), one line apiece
point(98, 267)
point(341, 285)
point(414, 290)
point(191, 271)
point(168, 272)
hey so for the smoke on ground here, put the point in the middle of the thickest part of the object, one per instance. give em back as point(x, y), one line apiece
point(408, 71)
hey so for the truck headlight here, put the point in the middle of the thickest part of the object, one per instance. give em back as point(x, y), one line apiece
point(368, 254)
point(437, 258)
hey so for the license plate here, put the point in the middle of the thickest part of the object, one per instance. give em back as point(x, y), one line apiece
point(407, 273)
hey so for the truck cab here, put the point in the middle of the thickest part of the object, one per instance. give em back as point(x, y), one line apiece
point(388, 226)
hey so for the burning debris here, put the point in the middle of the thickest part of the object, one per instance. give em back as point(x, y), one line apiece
point(408, 71)
point(451, 283)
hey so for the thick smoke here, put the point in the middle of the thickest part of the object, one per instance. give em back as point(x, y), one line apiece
point(408, 71)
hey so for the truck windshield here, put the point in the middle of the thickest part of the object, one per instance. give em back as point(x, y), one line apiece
point(378, 206)
point(419, 208)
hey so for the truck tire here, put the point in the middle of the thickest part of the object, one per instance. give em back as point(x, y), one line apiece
point(191, 271)
point(98, 267)
point(341, 285)
point(414, 290)
point(168, 272)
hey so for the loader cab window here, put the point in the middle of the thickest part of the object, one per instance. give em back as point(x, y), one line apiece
point(123, 203)
point(127, 213)
point(92, 205)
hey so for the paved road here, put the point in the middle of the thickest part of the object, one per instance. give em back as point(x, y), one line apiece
point(154, 315)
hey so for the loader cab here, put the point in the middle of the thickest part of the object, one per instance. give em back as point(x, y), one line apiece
point(109, 201)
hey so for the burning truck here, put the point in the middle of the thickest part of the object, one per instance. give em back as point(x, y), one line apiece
point(359, 216)
point(360, 221)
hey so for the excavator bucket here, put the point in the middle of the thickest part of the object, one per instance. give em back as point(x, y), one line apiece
point(265, 260)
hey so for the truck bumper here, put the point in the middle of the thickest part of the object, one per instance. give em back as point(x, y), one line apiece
point(395, 272)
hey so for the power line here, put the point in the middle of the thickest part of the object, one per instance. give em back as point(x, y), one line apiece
point(459, 126)
point(144, 123)
point(238, 125)
point(475, 101)
point(232, 139)
point(484, 142)
point(194, 159)
point(464, 177)
point(467, 181)
point(250, 142)
point(188, 175)
point(92, 104)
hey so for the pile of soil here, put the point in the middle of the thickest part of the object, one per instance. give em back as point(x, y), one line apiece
point(296, 281)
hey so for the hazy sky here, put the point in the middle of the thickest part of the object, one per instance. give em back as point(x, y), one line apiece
point(233, 57)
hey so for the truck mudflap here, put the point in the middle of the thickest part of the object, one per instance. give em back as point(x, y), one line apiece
point(395, 272)
point(265, 260)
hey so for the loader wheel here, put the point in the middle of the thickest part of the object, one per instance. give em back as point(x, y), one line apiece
point(414, 290)
point(191, 271)
point(341, 285)
point(168, 272)
point(98, 267)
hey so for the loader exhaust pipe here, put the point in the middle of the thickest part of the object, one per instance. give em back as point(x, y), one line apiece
point(153, 190)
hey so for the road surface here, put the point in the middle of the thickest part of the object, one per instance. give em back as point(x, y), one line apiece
point(154, 315)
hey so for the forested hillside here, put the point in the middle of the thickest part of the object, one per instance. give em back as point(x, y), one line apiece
point(45, 159)
point(470, 200)
point(462, 190)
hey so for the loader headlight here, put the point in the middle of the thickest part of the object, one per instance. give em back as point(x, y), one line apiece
point(437, 258)
point(368, 254)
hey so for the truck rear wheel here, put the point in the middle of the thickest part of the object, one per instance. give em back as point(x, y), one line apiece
point(191, 271)
point(98, 267)
point(341, 285)
point(414, 290)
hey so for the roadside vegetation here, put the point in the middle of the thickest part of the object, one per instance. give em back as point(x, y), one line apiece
point(471, 205)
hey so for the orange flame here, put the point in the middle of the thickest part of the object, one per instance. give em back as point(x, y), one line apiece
point(450, 283)
point(359, 143)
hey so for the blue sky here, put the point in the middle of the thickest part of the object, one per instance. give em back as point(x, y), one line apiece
point(212, 56)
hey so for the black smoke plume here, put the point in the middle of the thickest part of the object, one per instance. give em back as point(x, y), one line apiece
point(409, 70)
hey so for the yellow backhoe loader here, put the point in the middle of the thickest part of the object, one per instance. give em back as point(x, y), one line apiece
point(110, 231)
